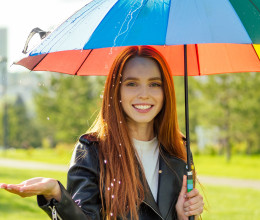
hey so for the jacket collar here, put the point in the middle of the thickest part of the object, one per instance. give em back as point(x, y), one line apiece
point(171, 170)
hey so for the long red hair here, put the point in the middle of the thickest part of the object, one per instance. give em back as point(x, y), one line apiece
point(121, 181)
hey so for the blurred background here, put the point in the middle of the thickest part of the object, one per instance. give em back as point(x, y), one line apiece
point(42, 115)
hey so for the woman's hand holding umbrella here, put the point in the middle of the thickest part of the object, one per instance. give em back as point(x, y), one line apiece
point(47, 187)
point(190, 203)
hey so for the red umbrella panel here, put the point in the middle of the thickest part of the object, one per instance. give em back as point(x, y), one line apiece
point(202, 59)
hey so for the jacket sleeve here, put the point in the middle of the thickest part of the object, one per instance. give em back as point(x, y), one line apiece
point(81, 200)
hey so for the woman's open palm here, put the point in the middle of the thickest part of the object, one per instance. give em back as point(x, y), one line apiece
point(47, 187)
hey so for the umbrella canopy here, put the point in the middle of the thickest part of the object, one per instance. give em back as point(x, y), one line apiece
point(221, 36)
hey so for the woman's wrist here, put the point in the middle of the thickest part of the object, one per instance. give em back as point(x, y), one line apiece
point(55, 193)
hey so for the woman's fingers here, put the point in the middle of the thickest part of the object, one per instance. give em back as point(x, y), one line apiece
point(31, 187)
point(194, 205)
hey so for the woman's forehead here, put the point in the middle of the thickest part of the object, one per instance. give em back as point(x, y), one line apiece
point(141, 67)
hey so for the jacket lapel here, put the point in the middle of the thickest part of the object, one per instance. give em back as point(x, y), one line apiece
point(171, 170)
point(170, 182)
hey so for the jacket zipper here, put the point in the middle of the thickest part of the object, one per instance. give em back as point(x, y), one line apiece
point(153, 209)
point(55, 215)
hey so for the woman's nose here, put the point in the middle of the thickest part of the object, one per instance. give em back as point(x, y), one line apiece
point(143, 92)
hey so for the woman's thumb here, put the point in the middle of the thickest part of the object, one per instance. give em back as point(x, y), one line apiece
point(184, 185)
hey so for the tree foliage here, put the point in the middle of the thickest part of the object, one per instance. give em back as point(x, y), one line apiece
point(67, 106)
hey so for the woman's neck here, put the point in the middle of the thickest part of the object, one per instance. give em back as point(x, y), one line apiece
point(142, 132)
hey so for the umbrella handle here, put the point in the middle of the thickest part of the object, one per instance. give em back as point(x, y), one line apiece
point(190, 187)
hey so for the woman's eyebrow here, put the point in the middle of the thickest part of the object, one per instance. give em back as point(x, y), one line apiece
point(136, 79)
point(155, 78)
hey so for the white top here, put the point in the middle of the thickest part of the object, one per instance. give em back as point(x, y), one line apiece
point(148, 152)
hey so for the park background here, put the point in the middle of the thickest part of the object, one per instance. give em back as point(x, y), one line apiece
point(43, 114)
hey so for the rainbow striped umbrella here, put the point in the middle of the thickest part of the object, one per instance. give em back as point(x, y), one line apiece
point(221, 36)
point(197, 37)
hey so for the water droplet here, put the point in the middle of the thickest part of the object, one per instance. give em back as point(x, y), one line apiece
point(112, 196)
point(108, 105)
point(114, 180)
point(119, 182)
point(112, 184)
point(120, 145)
point(101, 96)
point(48, 118)
point(108, 188)
point(105, 161)
point(120, 122)
point(111, 97)
point(111, 214)
point(120, 101)
point(120, 155)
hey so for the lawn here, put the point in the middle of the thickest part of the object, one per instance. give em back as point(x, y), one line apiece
point(228, 203)
point(54, 156)
point(240, 166)
point(14, 207)
point(225, 203)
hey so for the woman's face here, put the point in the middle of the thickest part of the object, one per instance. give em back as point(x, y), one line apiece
point(141, 90)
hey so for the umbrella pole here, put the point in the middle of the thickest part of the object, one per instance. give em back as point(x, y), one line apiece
point(189, 171)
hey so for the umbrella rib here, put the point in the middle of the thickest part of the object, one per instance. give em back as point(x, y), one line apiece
point(39, 62)
point(255, 6)
point(197, 55)
point(76, 73)
point(255, 51)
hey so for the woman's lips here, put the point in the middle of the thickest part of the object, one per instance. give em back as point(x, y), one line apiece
point(143, 108)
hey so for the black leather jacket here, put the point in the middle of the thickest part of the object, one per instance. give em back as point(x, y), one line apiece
point(82, 201)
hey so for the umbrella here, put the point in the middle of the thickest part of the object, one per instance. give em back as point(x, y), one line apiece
point(197, 37)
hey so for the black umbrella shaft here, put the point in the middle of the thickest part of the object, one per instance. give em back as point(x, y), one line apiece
point(187, 109)
point(189, 172)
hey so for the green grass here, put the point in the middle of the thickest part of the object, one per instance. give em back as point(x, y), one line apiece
point(54, 156)
point(14, 207)
point(228, 203)
point(240, 166)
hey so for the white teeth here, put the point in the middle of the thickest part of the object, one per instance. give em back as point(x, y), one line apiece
point(142, 106)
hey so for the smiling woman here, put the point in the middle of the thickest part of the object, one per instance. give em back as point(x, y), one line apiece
point(131, 164)
point(141, 95)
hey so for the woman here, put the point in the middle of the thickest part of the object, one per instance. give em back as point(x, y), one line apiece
point(131, 163)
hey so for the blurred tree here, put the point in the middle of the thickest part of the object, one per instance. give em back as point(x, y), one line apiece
point(23, 132)
point(230, 102)
point(68, 105)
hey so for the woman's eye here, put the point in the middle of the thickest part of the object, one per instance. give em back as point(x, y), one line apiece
point(131, 84)
point(155, 85)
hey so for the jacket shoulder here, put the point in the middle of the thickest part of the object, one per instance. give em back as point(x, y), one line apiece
point(86, 151)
